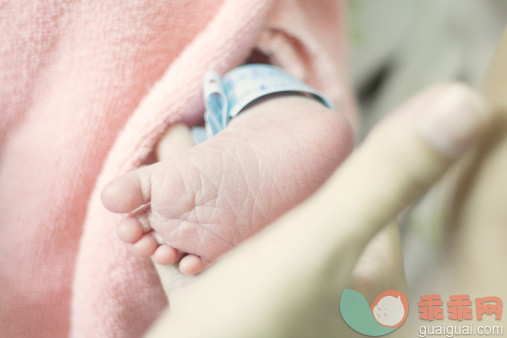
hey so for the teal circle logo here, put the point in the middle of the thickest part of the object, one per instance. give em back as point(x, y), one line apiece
point(387, 312)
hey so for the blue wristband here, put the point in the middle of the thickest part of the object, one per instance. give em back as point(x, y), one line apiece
point(226, 97)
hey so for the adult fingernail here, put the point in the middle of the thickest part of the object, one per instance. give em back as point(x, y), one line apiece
point(452, 123)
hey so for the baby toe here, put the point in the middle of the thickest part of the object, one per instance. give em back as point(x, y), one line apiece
point(129, 230)
point(192, 264)
point(129, 191)
point(145, 246)
point(165, 255)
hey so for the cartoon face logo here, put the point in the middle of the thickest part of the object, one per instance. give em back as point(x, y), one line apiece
point(386, 314)
point(390, 308)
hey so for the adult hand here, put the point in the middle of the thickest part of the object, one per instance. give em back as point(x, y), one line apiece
point(471, 200)
point(287, 280)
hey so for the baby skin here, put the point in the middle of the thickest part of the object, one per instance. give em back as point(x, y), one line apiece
point(198, 202)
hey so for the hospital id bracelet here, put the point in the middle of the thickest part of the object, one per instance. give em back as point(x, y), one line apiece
point(226, 97)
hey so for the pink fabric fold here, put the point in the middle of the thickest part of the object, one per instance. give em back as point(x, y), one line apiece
point(86, 89)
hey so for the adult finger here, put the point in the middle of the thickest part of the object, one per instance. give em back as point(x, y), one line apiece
point(306, 258)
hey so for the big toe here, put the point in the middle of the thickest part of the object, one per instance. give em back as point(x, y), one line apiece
point(129, 191)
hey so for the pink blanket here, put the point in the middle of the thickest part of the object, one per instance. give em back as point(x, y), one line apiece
point(86, 89)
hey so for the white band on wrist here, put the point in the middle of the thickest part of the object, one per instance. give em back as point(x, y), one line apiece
point(226, 97)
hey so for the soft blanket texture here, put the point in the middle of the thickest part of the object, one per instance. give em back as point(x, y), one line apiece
point(86, 89)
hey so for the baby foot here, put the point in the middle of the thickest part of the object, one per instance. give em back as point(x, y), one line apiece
point(206, 200)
